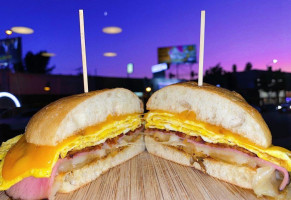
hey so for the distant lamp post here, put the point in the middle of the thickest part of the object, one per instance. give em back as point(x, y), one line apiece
point(8, 32)
point(274, 61)
point(129, 69)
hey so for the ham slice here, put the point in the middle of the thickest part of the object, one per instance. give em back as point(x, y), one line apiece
point(282, 170)
point(33, 188)
point(43, 188)
point(198, 141)
point(261, 162)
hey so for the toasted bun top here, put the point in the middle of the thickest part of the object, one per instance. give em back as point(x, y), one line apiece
point(214, 105)
point(66, 116)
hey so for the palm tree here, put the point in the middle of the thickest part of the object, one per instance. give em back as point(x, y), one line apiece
point(34, 63)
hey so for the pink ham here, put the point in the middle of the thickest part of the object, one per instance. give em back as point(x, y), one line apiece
point(33, 188)
point(260, 161)
point(285, 173)
point(41, 188)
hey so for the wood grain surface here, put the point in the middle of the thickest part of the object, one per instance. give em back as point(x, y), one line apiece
point(148, 177)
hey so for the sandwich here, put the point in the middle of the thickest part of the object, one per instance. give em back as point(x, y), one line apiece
point(216, 131)
point(71, 142)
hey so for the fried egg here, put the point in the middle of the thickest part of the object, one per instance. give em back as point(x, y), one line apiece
point(215, 134)
point(20, 159)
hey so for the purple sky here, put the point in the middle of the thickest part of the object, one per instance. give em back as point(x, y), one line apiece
point(237, 32)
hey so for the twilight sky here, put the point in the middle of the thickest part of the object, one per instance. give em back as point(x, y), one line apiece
point(237, 32)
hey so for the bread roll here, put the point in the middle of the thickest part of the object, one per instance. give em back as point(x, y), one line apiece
point(65, 117)
point(46, 159)
point(216, 106)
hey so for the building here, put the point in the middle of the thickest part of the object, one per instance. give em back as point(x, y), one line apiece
point(41, 89)
point(258, 87)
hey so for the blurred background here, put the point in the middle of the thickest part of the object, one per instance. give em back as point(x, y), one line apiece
point(144, 46)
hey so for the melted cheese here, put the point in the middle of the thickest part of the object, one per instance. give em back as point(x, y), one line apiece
point(186, 123)
point(19, 159)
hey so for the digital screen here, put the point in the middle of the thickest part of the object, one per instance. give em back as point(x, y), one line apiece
point(177, 54)
point(10, 51)
point(163, 82)
point(159, 67)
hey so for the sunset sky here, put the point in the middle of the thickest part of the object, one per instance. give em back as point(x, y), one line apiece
point(237, 32)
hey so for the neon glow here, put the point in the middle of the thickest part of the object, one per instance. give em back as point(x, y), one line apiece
point(12, 97)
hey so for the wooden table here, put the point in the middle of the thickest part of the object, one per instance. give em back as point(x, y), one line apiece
point(149, 177)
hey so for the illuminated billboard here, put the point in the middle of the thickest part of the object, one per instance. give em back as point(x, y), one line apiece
point(10, 51)
point(177, 54)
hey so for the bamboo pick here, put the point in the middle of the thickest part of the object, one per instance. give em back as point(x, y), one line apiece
point(201, 49)
point(83, 48)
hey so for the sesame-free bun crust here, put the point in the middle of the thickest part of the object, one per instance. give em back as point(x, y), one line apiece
point(65, 117)
point(214, 105)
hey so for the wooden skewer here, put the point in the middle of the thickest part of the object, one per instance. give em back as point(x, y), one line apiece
point(83, 48)
point(201, 49)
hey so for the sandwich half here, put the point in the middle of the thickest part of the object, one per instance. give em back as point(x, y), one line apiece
point(216, 131)
point(71, 142)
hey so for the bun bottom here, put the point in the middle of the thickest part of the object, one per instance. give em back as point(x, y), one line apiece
point(73, 180)
point(241, 176)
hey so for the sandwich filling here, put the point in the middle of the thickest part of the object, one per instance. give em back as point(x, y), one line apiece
point(20, 159)
point(200, 140)
point(43, 188)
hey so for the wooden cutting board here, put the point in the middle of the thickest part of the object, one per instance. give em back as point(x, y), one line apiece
point(149, 177)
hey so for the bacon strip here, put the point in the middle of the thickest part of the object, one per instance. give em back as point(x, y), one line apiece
point(110, 142)
point(199, 139)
